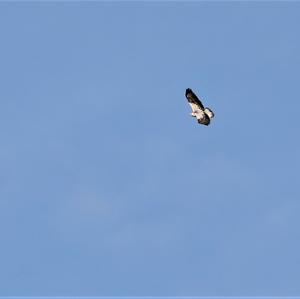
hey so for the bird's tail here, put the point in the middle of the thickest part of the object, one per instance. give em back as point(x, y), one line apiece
point(209, 112)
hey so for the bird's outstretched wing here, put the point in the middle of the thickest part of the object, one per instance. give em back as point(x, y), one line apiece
point(193, 100)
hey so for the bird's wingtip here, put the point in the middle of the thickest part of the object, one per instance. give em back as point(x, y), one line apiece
point(188, 90)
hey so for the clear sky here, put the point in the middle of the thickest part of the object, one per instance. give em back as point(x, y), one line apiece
point(109, 187)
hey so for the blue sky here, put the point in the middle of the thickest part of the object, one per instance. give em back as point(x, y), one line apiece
point(109, 187)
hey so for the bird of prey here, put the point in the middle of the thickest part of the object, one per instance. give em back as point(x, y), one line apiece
point(203, 115)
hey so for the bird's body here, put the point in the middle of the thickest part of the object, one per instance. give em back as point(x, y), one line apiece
point(203, 115)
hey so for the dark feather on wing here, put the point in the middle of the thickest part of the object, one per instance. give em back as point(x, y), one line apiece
point(192, 98)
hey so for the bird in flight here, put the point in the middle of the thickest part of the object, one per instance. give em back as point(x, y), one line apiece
point(203, 115)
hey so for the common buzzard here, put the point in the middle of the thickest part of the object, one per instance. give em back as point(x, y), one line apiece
point(203, 115)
